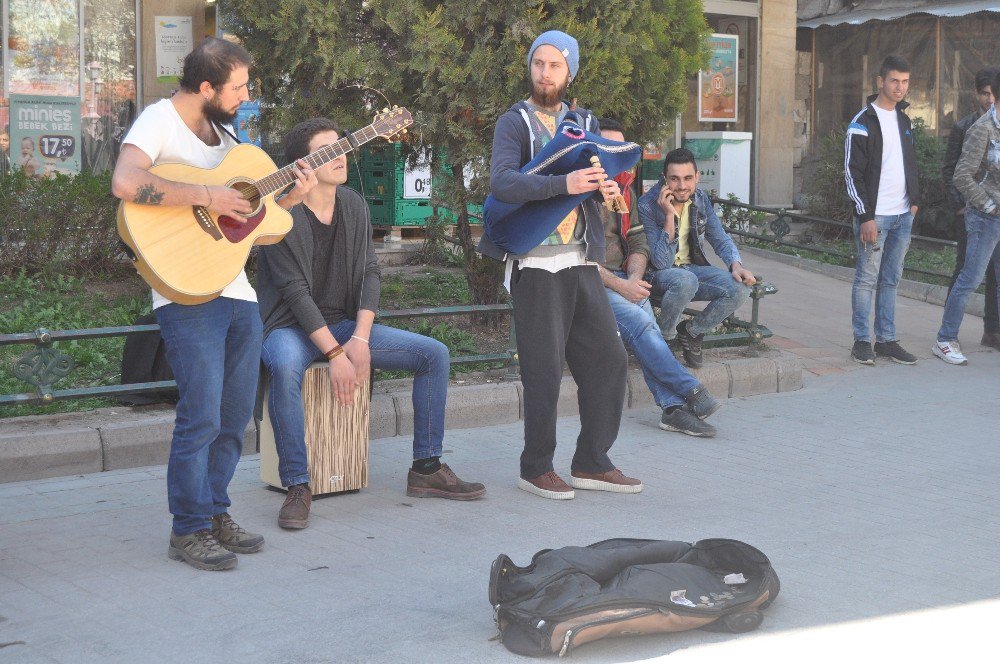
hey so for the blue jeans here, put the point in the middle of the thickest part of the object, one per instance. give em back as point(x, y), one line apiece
point(288, 352)
point(677, 286)
point(664, 375)
point(214, 352)
point(982, 246)
point(877, 272)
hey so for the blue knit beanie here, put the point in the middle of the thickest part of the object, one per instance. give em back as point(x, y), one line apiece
point(564, 44)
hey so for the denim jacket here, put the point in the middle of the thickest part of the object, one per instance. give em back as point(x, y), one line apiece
point(705, 225)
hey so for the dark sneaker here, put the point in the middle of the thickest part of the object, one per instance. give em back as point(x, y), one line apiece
point(201, 550)
point(893, 351)
point(691, 344)
point(684, 421)
point(232, 536)
point(548, 485)
point(701, 402)
point(614, 480)
point(294, 513)
point(991, 339)
point(442, 484)
point(862, 353)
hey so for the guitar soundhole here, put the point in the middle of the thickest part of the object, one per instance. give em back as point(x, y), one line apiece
point(236, 231)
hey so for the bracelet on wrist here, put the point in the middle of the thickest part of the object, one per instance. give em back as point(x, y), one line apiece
point(209, 195)
point(361, 339)
point(334, 352)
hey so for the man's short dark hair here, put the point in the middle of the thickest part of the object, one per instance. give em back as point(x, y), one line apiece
point(297, 140)
point(610, 124)
point(985, 77)
point(213, 60)
point(893, 63)
point(679, 156)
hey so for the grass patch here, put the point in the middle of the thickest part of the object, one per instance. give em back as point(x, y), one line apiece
point(440, 288)
point(68, 303)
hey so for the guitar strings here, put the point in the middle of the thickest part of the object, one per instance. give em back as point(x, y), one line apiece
point(284, 176)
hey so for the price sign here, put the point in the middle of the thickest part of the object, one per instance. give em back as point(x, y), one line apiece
point(417, 181)
point(57, 147)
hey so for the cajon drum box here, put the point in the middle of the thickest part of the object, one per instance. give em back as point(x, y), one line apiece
point(336, 437)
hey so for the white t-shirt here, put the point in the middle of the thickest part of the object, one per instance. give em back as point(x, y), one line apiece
point(892, 198)
point(162, 135)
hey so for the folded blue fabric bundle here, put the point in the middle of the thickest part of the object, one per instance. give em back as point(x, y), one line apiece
point(520, 227)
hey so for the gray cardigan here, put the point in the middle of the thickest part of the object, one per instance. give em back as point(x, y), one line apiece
point(285, 269)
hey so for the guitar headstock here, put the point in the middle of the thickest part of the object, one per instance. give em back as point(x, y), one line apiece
point(391, 123)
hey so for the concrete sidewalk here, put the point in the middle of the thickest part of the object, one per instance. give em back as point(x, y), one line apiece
point(873, 491)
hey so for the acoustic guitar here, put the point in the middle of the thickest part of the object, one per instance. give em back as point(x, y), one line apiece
point(190, 255)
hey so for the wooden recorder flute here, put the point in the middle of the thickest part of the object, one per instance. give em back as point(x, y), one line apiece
point(615, 203)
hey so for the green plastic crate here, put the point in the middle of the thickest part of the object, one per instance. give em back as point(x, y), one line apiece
point(390, 212)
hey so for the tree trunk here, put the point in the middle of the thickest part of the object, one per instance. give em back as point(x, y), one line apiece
point(483, 275)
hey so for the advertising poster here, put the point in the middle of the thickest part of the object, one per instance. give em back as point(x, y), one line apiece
point(717, 84)
point(247, 123)
point(44, 47)
point(174, 40)
point(45, 135)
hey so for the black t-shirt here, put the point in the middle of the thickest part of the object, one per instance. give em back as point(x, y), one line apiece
point(330, 278)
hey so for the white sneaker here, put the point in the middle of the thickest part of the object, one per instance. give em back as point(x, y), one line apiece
point(950, 352)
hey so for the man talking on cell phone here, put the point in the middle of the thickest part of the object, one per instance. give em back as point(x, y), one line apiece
point(678, 219)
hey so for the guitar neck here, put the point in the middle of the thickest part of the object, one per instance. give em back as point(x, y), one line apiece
point(283, 177)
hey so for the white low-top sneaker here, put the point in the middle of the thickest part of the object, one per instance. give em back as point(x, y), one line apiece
point(950, 352)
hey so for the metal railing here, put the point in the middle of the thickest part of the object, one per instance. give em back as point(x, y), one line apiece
point(45, 364)
point(781, 227)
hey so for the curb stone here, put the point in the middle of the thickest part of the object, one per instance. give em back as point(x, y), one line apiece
point(43, 446)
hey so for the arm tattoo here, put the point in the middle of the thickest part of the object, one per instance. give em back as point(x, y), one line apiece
point(148, 195)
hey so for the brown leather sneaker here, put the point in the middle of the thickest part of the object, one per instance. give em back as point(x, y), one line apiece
point(442, 484)
point(613, 480)
point(294, 513)
point(548, 485)
point(991, 339)
point(233, 537)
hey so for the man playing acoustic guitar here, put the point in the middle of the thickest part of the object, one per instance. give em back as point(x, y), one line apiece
point(213, 348)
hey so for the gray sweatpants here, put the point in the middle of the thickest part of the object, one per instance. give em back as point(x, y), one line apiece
point(564, 317)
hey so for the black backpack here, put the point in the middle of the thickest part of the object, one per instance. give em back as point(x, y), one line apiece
point(144, 360)
point(623, 587)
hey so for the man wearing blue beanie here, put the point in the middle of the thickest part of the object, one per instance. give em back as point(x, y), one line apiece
point(560, 310)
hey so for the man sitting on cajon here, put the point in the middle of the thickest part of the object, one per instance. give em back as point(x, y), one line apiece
point(318, 291)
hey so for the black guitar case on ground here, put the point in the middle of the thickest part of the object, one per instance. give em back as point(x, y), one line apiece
point(624, 587)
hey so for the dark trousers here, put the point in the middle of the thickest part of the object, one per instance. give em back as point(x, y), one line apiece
point(991, 319)
point(564, 317)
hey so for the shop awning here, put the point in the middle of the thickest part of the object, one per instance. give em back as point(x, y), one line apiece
point(859, 16)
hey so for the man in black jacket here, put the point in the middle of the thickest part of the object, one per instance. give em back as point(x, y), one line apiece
point(881, 176)
point(319, 291)
point(984, 99)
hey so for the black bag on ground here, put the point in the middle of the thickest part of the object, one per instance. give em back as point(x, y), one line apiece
point(625, 587)
point(144, 360)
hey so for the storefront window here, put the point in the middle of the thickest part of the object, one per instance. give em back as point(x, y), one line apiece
point(58, 112)
point(109, 99)
point(44, 45)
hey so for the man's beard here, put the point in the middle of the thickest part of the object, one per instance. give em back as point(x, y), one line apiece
point(215, 113)
point(548, 97)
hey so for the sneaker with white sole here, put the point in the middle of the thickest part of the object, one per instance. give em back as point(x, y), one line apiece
point(613, 480)
point(549, 485)
point(950, 352)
